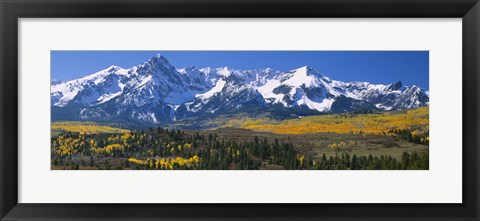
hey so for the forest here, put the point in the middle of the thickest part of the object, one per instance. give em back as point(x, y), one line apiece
point(166, 149)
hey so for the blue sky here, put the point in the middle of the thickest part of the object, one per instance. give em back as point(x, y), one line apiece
point(410, 67)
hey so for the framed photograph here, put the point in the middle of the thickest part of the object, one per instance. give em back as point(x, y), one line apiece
point(228, 110)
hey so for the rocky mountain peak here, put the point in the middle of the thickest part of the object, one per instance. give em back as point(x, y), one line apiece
point(156, 92)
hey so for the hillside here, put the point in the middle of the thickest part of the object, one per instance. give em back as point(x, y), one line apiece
point(416, 119)
point(84, 127)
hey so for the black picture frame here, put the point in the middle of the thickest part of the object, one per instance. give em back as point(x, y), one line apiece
point(12, 10)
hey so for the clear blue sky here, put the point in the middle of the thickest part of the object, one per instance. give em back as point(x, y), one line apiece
point(410, 67)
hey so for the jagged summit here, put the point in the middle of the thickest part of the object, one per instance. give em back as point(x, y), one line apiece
point(305, 68)
point(156, 92)
point(159, 60)
point(396, 86)
point(113, 67)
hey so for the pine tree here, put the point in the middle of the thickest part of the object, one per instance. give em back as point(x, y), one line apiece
point(91, 161)
point(354, 163)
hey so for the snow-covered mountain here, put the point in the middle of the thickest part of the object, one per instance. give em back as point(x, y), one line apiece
point(157, 92)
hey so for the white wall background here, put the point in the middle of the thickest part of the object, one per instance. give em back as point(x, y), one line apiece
point(441, 184)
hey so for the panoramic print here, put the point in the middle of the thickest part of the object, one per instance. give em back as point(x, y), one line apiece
point(239, 110)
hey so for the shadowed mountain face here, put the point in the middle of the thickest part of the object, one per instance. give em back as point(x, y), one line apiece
point(155, 92)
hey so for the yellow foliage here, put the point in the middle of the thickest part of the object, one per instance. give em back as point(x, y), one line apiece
point(137, 161)
point(335, 123)
point(109, 148)
point(424, 140)
point(84, 127)
point(126, 136)
point(67, 146)
point(301, 159)
point(167, 163)
point(342, 145)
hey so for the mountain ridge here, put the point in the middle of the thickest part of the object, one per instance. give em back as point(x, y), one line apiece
point(156, 92)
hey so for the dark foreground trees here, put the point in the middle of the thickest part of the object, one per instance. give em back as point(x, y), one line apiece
point(161, 148)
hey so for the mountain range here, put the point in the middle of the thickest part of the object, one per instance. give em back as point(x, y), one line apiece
point(156, 92)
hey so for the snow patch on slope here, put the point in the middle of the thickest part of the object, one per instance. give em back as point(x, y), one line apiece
point(218, 88)
point(325, 105)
